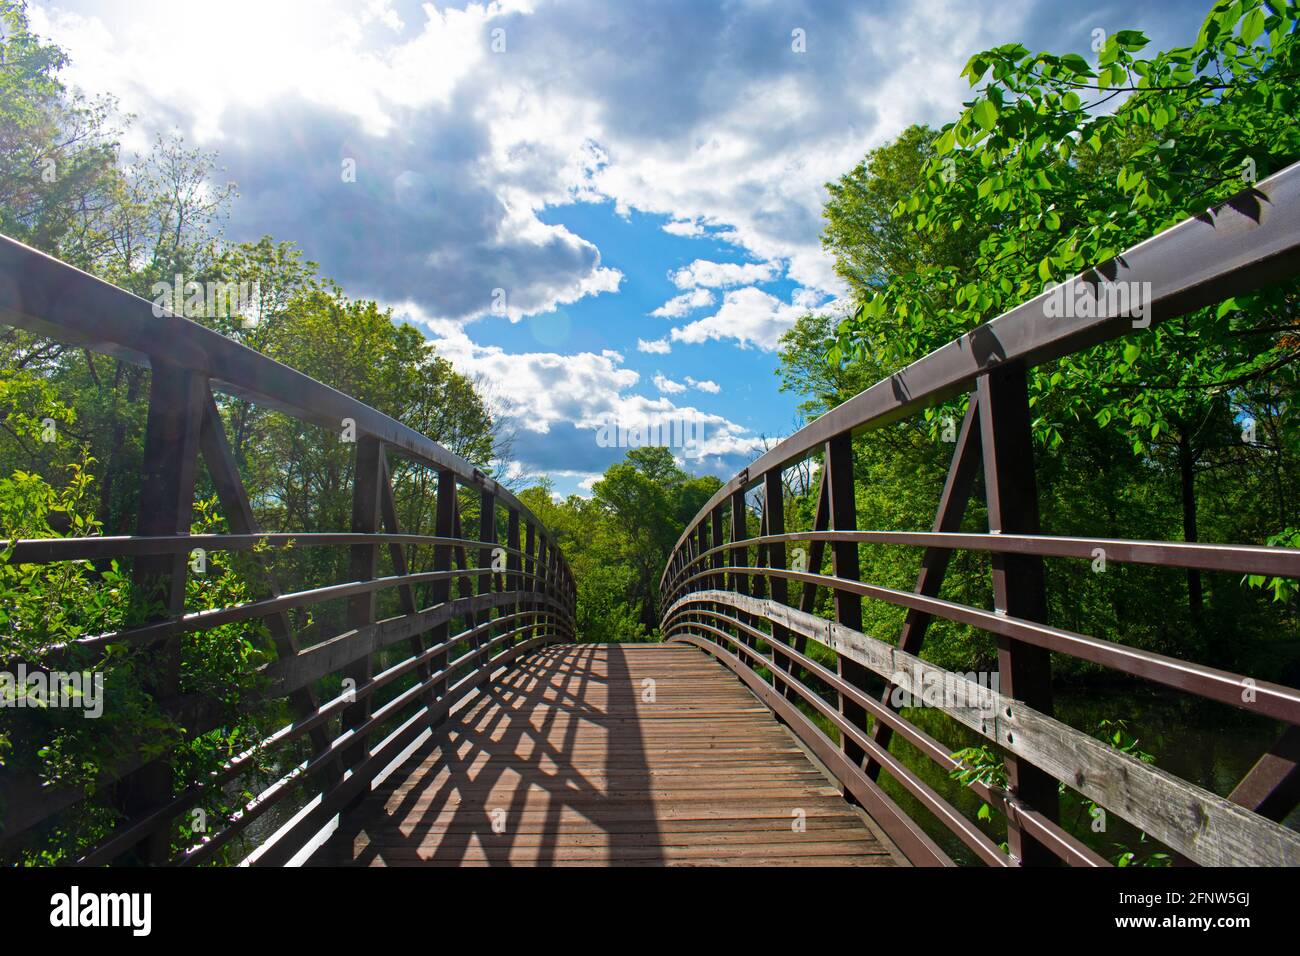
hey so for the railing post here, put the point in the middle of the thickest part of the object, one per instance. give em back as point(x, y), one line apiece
point(777, 587)
point(719, 557)
point(444, 527)
point(487, 534)
point(739, 556)
point(844, 557)
point(934, 563)
point(166, 507)
point(1019, 590)
point(542, 581)
point(513, 565)
point(527, 582)
point(363, 566)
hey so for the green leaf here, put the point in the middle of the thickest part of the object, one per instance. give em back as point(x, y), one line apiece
point(1131, 352)
point(1252, 26)
point(1131, 39)
point(1076, 64)
point(985, 114)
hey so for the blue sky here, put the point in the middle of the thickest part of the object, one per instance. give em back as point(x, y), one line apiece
point(606, 212)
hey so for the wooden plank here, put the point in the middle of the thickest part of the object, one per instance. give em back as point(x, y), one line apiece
point(1272, 787)
point(567, 759)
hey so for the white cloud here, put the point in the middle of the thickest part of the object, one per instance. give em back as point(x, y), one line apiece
point(667, 385)
point(710, 121)
point(554, 399)
point(750, 316)
point(679, 305)
point(708, 385)
point(687, 228)
point(703, 273)
point(654, 347)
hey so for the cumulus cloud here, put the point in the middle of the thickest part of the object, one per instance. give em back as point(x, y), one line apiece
point(557, 405)
point(700, 113)
point(705, 274)
point(686, 228)
point(750, 316)
point(667, 385)
point(654, 347)
point(679, 305)
point(708, 385)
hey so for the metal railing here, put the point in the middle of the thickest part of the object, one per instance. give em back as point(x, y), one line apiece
point(746, 616)
point(490, 602)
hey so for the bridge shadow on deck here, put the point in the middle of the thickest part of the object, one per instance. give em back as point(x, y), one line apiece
point(599, 755)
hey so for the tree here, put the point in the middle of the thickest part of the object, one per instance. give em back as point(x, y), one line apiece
point(1053, 180)
point(58, 153)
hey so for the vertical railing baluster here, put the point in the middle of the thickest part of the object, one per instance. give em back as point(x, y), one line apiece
point(719, 557)
point(166, 507)
point(363, 566)
point(740, 557)
point(1019, 588)
point(844, 556)
point(444, 527)
point(527, 583)
point(513, 565)
point(487, 535)
point(778, 590)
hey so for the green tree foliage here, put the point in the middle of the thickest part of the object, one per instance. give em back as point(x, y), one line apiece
point(72, 427)
point(58, 154)
point(1183, 430)
point(618, 541)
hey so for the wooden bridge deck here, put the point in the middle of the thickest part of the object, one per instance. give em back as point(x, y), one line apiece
point(606, 754)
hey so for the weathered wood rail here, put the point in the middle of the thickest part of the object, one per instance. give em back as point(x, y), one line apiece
point(490, 601)
point(729, 592)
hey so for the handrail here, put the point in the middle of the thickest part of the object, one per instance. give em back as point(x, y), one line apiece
point(512, 596)
point(51, 298)
point(744, 613)
point(1248, 241)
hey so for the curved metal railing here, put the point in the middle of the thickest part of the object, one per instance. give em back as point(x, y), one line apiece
point(489, 601)
point(729, 592)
